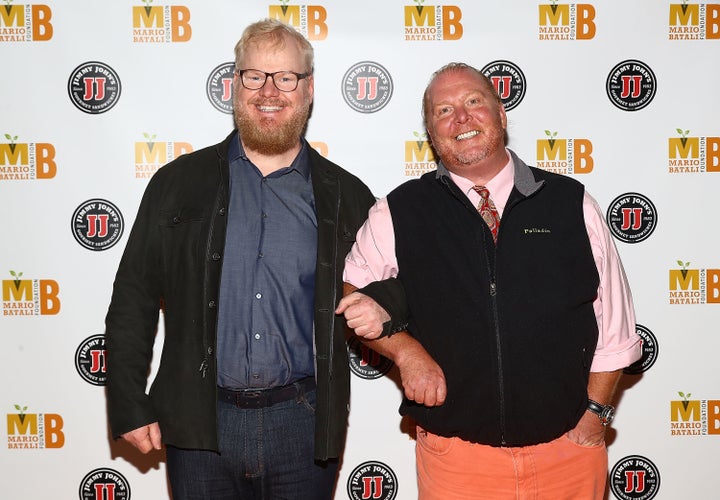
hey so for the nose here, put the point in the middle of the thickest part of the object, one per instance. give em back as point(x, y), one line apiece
point(461, 114)
point(269, 88)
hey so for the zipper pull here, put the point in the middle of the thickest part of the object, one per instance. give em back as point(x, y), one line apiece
point(493, 289)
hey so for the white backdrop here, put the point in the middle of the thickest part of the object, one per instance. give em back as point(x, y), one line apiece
point(97, 95)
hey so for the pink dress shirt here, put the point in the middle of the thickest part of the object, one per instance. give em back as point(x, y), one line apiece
point(372, 258)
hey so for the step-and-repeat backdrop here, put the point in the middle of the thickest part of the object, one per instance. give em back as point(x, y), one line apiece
point(96, 96)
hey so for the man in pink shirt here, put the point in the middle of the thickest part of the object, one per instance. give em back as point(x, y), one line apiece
point(521, 319)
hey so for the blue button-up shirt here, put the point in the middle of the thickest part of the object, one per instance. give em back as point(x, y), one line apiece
point(265, 323)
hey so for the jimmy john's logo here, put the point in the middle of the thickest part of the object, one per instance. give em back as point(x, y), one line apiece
point(104, 484)
point(560, 21)
point(366, 363)
point(97, 224)
point(650, 351)
point(693, 154)
point(219, 87)
point(634, 478)
point(631, 85)
point(367, 87)
point(632, 217)
point(372, 480)
point(508, 80)
point(90, 360)
point(94, 87)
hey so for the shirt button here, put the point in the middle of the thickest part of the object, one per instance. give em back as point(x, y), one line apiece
point(257, 336)
point(258, 295)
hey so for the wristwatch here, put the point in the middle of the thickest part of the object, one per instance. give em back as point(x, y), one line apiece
point(605, 413)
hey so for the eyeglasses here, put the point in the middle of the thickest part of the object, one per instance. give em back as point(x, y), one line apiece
point(285, 81)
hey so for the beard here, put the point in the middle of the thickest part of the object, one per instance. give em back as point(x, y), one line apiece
point(492, 142)
point(267, 136)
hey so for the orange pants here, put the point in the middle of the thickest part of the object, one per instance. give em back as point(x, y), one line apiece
point(453, 469)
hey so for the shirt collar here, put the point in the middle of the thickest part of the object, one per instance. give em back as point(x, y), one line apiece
point(499, 186)
point(301, 163)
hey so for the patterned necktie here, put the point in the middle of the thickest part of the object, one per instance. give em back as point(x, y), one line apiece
point(487, 210)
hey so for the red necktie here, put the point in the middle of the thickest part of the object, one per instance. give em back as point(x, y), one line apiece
point(487, 210)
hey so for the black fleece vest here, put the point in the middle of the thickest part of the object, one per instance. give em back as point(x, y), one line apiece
point(511, 326)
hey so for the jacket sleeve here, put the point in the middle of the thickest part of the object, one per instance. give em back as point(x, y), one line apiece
point(390, 295)
point(131, 323)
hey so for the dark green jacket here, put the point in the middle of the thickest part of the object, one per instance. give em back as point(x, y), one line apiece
point(172, 262)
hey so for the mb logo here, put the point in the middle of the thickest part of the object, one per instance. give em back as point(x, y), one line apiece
point(694, 21)
point(34, 430)
point(24, 297)
point(565, 156)
point(431, 22)
point(694, 417)
point(693, 154)
point(163, 24)
point(26, 160)
point(310, 20)
point(566, 21)
point(150, 154)
point(694, 286)
point(25, 23)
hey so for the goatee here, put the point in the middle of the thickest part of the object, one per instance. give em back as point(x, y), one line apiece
point(268, 137)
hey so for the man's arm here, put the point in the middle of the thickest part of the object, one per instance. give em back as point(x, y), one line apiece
point(145, 438)
point(601, 388)
point(422, 378)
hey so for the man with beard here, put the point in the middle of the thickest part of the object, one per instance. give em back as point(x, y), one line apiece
point(241, 245)
point(521, 319)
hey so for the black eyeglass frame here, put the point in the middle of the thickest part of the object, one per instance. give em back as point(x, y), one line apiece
point(299, 76)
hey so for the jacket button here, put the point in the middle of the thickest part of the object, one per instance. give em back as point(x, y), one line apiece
point(210, 350)
point(176, 219)
point(216, 256)
point(211, 304)
point(222, 211)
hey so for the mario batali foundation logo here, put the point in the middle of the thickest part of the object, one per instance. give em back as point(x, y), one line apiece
point(23, 161)
point(424, 23)
point(160, 23)
point(694, 417)
point(419, 156)
point(689, 285)
point(631, 85)
point(29, 297)
point(97, 224)
point(34, 431)
point(562, 21)
point(150, 154)
point(25, 23)
point(508, 80)
point(690, 154)
point(564, 156)
point(694, 21)
point(372, 480)
point(94, 87)
point(632, 217)
point(634, 478)
point(104, 484)
point(310, 20)
point(367, 87)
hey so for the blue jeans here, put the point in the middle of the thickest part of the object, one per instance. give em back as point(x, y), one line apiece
point(265, 453)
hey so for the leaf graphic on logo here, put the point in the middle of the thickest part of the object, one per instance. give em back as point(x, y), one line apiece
point(17, 279)
point(551, 138)
point(150, 142)
point(21, 412)
point(148, 8)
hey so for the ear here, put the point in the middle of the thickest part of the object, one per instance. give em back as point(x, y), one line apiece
point(503, 115)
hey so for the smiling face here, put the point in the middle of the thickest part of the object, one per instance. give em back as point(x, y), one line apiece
point(270, 122)
point(466, 123)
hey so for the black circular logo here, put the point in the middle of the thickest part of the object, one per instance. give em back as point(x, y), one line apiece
point(373, 480)
point(219, 87)
point(649, 352)
point(94, 87)
point(104, 483)
point(97, 224)
point(508, 80)
point(632, 217)
point(90, 360)
point(634, 478)
point(631, 85)
point(366, 363)
point(367, 87)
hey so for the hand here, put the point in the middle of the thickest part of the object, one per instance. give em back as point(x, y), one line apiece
point(363, 315)
point(589, 431)
point(145, 438)
point(422, 378)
